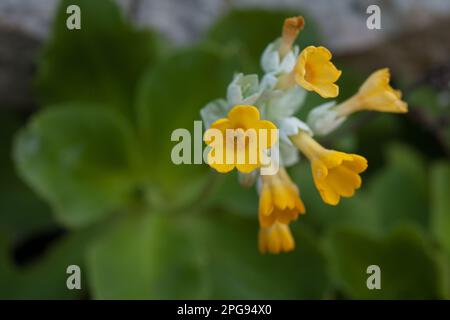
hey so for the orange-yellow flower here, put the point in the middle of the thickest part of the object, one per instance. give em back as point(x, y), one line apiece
point(314, 71)
point(275, 239)
point(335, 174)
point(375, 94)
point(235, 140)
point(279, 199)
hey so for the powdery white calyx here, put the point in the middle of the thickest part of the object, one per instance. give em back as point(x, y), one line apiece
point(291, 126)
point(284, 103)
point(244, 89)
point(214, 110)
point(289, 154)
point(324, 119)
point(271, 62)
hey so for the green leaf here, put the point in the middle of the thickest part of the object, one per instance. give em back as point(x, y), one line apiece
point(100, 63)
point(147, 257)
point(231, 197)
point(8, 275)
point(162, 256)
point(400, 191)
point(237, 270)
point(170, 97)
point(425, 97)
point(440, 203)
point(248, 32)
point(409, 266)
point(46, 278)
point(394, 195)
point(82, 160)
point(21, 211)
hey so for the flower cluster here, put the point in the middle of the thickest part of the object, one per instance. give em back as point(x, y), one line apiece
point(271, 104)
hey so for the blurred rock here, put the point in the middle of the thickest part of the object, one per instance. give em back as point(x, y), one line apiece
point(342, 23)
point(29, 16)
point(411, 55)
point(18, 53)
point(423, 26)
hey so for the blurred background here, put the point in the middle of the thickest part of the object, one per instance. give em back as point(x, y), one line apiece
point(85, 171)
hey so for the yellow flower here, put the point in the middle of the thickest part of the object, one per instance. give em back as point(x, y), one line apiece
point(235, 140)
point(335, 174)
point(275, 239)
point(279, 199)
point(375, 94)
point(314, 71)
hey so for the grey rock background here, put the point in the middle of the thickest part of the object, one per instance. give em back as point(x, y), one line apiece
point(342, 23)
point(25, 24)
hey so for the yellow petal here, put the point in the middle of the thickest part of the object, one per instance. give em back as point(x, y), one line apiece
point(266, 221)
point(265, 201)
point(218, 165)
point(222, 125)
point(336, 175)
point(244, 117)
point(328, 195)
point(358, 163)
point(267, 127)
point(343, 181)
point(240, 140)
point(315, 72)
point(377, 94)
point(275, 239)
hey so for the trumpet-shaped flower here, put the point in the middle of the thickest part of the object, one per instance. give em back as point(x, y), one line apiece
point(291, 27)
point(335, 174)
point(275, 239)
point(279, 95)
point(375, 94)
point(279, 199)
point(236, 142)
point(314, 71)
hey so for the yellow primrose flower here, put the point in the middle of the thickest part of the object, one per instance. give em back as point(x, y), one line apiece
point(275, 239)
point(314, 71)
point(235, 140)
point(375, 94)
point(335, 174)
point(279, 199)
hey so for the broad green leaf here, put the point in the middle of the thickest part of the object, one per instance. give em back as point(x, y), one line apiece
point(82, 160)
point(399, 191)
point(394, 195)
point(440, 204)
point(408, 264)
point(21, 211)
point(168, 256)
point(229, 195)
point(425, 97)
point(374, 130)
point(170, 97)
point(147, 256)
point(237, 270)
point(7, 274)
point(100, 63)
point(248, 32)
point(45, 278)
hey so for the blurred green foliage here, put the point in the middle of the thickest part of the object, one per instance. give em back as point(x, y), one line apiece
point(96, 156)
